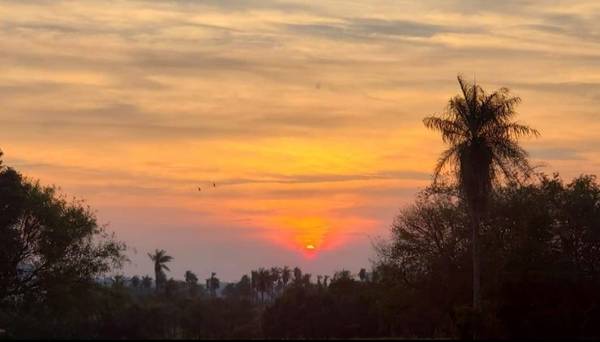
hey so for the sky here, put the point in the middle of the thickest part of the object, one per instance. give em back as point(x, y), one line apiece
point(306, 115)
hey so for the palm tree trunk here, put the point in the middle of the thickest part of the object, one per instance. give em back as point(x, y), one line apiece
point(476, 273)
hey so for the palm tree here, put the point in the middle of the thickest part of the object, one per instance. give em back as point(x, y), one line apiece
point(212, 284)
point(263, 281)
point(254, 284)
point(286, 274)
point(483, 150)
point(160, 258)
point(275, 277)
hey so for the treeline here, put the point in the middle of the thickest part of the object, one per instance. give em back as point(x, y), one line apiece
point(497, 252)
point(540, 256)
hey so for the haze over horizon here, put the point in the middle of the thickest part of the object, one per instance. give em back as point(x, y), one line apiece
point(307, 117)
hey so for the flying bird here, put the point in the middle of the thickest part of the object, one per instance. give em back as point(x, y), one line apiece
point(214, 185)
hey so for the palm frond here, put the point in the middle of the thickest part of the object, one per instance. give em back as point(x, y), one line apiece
point(451, 131)
point(446, 157)
point(165, 258)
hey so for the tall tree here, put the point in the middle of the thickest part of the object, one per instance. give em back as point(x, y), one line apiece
point(263, 282)
point(160, 258)
point(48, 242)
point(274, 279)
point(213, 284)
point(483, 149)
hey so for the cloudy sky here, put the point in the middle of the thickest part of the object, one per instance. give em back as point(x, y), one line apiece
point(306, 114)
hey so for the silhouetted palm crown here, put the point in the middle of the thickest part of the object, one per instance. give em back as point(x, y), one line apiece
point(160, 258)
point(482, 135)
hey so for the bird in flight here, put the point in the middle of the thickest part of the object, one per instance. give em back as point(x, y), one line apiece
point(214, 185)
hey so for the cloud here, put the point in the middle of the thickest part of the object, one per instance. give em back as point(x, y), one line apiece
point(555, 153)
point(370, 29)
point(238, 5)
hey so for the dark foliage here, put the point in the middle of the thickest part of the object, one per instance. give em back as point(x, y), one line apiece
point(540, 275)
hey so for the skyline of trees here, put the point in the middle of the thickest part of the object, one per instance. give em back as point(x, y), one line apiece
point(537, 238)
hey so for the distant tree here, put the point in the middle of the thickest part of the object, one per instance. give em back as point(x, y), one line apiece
point(263, 282)
point(306, 279)
point(118, 281)
point(297, 275)
point(160, 258)
point(172, 288)
point(362, 275)
point(274, 279)
point(244, 288)
point(483, 148)
point(147, 282)
point(213, 284)
point(342, 275)
point(135, 282)
point(191, 281)
point(254, 283)
point(240, 291)
point(286, 274)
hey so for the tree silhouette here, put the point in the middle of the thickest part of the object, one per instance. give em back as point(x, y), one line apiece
point(483, 148)
point(297, 275)
point(47, 241)
point(263, 282)
point(286, 274)
point(135, 282)
point(213, 284)
point(275, 278)
point(362, 275)
point(160, 258)
point(192, 282)
point(118, 281)
point(146, 282)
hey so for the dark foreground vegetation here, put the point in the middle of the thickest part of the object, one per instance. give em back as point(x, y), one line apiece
point(498, 251)
point(540, 262)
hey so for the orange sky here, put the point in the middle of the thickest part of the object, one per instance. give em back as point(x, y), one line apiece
point(306, 116)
